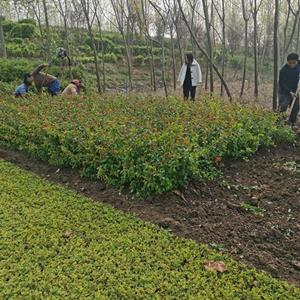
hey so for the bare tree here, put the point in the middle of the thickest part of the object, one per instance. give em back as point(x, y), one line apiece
point(99, 11)
point(2, 40)
point(163, 17)
point(246, 17)
point(123, 25)
point(209, 44)
point(48, 38)
point(255, 7)
point(85, 4)
point(222, 17)
point(201, 49)
point(276, 54)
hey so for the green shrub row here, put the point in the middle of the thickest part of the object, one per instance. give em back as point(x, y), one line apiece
point(151, 145)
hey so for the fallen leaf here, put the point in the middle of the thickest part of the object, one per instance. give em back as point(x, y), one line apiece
point(67, 234)
point(218, 266)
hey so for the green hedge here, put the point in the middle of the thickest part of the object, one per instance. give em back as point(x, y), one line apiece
point(58, 245)
point(151, 145)
point(14, 69)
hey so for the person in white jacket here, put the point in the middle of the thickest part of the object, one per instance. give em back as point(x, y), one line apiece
point(190, 76)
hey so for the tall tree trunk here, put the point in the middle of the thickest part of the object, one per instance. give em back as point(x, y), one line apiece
point(288, 44)
point(2, 40)
point(298, 38)
point(91, 35)
point(275, 81)
point(102, 53)
point(173, 58)
point(48, 50)
point(246, 20)
point(223, 44)
point(255, 12)
point(209, 44)
point(285, 33)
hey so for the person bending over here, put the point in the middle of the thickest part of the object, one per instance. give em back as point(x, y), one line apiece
point(42, 79)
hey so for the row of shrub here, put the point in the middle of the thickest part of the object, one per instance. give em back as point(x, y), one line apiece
point(14, 69)
point(151, 145)
point(22, 29)
point(112, 58)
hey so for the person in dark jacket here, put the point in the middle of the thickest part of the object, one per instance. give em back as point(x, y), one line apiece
point(288, 84)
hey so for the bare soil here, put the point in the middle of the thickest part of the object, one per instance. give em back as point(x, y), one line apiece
point(252, 213)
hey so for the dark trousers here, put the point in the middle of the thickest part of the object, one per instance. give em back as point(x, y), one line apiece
point(284, 102)
point(189, 90)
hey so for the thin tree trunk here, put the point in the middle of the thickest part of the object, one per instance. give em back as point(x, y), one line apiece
point(285, 33)
point(255, 12)
point(173, 58)
point(48, 51)
point(102, 54)
point(275, 82)
point(3, 52)
point(292, 33)
point(223, 44)
point(209, 45)
point(90, 31)
point(246, 20)
point(298, 38)
point(206, 76)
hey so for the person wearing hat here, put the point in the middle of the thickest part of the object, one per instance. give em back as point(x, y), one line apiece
point(190, 76)
point(73, 89)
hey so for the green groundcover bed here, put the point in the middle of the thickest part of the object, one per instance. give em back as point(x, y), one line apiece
point(147, 144)
point(56, 244)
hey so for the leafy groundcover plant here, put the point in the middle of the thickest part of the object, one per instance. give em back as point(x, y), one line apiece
point(56, 244)
point(149, 144)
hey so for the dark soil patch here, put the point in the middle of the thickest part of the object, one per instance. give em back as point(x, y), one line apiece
point(264, 232)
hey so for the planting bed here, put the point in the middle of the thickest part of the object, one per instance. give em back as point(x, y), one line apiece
point(212, 212)
point(59, 245)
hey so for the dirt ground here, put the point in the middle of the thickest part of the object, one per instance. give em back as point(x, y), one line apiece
point(252, 213)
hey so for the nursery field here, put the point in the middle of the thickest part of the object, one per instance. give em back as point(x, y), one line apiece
point(221, 174)
point(59, 245)
point(145, 144)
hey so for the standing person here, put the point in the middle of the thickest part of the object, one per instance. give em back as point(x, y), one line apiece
point(73, 88)
point(23, 89)
point(45, 80)
point(190, 76)
point(288, 83)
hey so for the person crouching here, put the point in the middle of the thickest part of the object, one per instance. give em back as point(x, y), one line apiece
point(73, 89)
point(23, 89)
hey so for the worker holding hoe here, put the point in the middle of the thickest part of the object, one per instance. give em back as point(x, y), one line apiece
point(42, 79)
point(288, 92)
